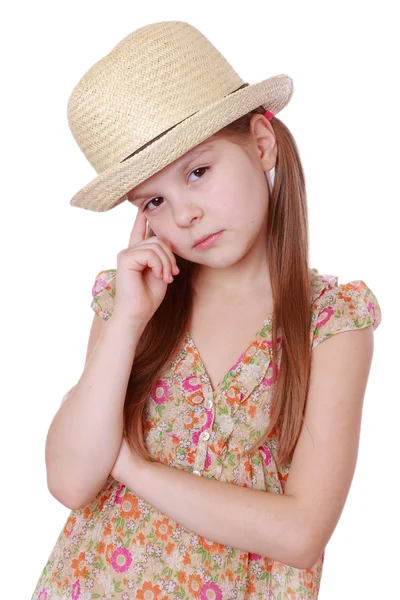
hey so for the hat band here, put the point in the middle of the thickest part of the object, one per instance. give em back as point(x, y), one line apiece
point(173, 126)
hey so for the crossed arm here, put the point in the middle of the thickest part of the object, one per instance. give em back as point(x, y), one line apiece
point(293, 527)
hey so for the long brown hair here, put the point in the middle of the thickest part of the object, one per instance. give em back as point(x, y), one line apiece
point(287, 256)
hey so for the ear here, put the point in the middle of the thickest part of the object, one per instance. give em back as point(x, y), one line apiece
point(265, 141)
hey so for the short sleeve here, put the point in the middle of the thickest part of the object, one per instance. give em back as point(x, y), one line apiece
point(344, 307)
point(103, 292)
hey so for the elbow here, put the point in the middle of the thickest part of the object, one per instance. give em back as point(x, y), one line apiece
point(73, 502)
point(62, 498)
point(305, 548)
point(310, 551)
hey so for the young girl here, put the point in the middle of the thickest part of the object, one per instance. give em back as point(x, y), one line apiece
point(209, 445)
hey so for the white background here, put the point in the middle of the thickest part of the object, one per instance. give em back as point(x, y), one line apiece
point(344, 117)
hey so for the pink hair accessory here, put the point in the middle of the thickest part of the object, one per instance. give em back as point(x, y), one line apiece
point(269, 115)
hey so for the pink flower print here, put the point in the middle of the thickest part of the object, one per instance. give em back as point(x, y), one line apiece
point(119, 495)
point(191, 383)
point(216, 592)
point(278, 343)
point(266, 452)
point(121, 559)
point(254, 556)
point(371, 309)
point(196, 434)
point(208, 460)
point(43, 594)
point(239, 360)
point(195, 437)
point(99, 285)
point(76, 590)
point(329, 312)
point(160, 393)
point(267, 381)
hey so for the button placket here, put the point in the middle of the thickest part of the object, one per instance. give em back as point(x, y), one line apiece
point(201, 453)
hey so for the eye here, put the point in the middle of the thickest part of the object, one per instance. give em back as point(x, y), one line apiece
point(161, 198)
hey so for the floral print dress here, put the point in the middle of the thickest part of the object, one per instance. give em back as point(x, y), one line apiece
point(119, 546)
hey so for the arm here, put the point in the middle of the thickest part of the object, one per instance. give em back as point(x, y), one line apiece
point(293, 527)
point(85, 435)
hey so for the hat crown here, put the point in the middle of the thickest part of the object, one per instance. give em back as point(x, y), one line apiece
point(153, 79)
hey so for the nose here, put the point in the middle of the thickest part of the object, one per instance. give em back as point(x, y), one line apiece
point(187, 213)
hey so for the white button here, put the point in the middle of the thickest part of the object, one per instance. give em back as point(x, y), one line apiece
point(196, 472)
point(206, 435)
point(209, 404)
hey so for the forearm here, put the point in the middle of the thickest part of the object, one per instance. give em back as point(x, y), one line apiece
point(250, 520)
point(85, 435)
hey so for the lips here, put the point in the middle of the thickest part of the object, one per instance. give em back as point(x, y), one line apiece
point(204, 238)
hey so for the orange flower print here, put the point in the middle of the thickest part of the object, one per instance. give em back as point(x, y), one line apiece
point(196, 398)
point(233, 395)
point(309, 579)
point(109, 552)
point(103, 500)
point(190, 421)
point(248, 356)
point(227, 575)
point(210, 546)
point(129, 507)
point(163, 529)
point(78, 564)
point(101, 547)
point(107, 529)
point(169, 548)
point(195, 583)
point(69, 526)
point(181, 577)
point(149, 592)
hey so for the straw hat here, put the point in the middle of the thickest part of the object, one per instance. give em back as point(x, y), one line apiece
point(162, 90)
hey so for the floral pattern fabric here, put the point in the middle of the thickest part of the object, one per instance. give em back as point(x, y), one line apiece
point(119, 546)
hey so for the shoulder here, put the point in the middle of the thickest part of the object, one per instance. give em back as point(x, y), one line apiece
point(337, 307)
point(103, 293)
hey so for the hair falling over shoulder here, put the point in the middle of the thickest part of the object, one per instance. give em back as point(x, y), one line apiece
point(287, 256)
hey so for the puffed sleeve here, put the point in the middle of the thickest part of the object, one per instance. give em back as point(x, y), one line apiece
point(103, 293)
point(344, 307)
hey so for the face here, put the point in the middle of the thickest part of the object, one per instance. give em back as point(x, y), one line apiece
point(219, 185)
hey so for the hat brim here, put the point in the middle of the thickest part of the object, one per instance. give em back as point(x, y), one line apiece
point(111, 187)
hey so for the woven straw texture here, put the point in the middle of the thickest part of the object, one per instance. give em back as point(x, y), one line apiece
point(161, 90)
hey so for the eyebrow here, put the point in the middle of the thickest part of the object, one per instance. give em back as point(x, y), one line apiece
point(195, 153)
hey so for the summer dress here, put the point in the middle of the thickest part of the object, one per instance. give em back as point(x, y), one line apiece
point(119, 546)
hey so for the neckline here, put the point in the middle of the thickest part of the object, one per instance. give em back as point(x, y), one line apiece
point(256, 338)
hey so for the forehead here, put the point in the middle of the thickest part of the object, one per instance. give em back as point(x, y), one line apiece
point(178, 165)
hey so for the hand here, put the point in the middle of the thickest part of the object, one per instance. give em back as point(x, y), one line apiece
point(144, 270)
point(126, 462)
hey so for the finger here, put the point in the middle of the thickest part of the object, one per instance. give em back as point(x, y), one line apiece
point(166, 246)
point(138, 233)
point(146, 259)
point(166, 262)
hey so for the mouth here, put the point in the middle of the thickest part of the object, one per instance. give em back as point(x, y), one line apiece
point(206, 240)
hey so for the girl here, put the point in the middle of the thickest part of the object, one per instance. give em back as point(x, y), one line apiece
point(196, 451)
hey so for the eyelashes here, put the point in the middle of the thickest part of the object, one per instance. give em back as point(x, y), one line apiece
point(153, 199)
